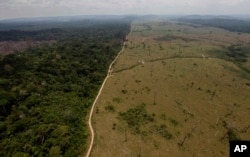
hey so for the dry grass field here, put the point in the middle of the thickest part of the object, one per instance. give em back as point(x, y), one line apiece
point(174, 92)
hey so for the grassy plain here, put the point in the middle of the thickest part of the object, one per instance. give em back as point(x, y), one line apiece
point(174, 92)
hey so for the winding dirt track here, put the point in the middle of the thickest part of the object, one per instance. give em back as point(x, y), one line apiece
point(97, 97)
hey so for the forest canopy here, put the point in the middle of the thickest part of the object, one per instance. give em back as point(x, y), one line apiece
point(46, 91)
point(235, 25)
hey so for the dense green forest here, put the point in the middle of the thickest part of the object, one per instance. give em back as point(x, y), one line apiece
point(235, 25)
point(46, 91)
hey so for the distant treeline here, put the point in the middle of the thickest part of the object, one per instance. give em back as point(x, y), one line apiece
point(234, 25)
point(46, 92)
point(62, 31)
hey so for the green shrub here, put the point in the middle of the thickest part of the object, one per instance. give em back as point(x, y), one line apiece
point(110, 108)
point(136, 117)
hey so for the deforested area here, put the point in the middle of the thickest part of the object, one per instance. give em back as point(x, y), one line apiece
point(181, 90)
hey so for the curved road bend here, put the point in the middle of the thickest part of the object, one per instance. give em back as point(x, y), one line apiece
point(98, 95)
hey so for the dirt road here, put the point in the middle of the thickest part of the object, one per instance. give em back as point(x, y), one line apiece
point(97, 97)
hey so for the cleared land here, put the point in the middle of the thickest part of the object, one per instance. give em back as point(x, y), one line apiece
point(176, 90)
point(8, 47)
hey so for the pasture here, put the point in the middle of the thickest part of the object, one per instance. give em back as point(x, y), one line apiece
point(176, 90)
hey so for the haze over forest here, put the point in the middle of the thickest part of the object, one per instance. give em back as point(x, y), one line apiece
point(38, 8)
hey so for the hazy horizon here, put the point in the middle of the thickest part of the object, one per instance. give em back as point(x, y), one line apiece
point(52, 8)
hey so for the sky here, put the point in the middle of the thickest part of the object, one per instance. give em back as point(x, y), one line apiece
point(45, 8)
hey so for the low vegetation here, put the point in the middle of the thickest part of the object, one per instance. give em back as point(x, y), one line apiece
point(174, 37)
point(136, 117)
point(161, 131)
point(236, 53)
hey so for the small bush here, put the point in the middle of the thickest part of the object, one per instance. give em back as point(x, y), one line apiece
point(110, 108)
point(173, 122)
point(117, 100)
point(232, 135)
point(161, 131)
point(136, 117)
point(163, 116)
point(124, 91)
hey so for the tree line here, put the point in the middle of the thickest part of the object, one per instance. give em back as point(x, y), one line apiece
point(235, 25)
